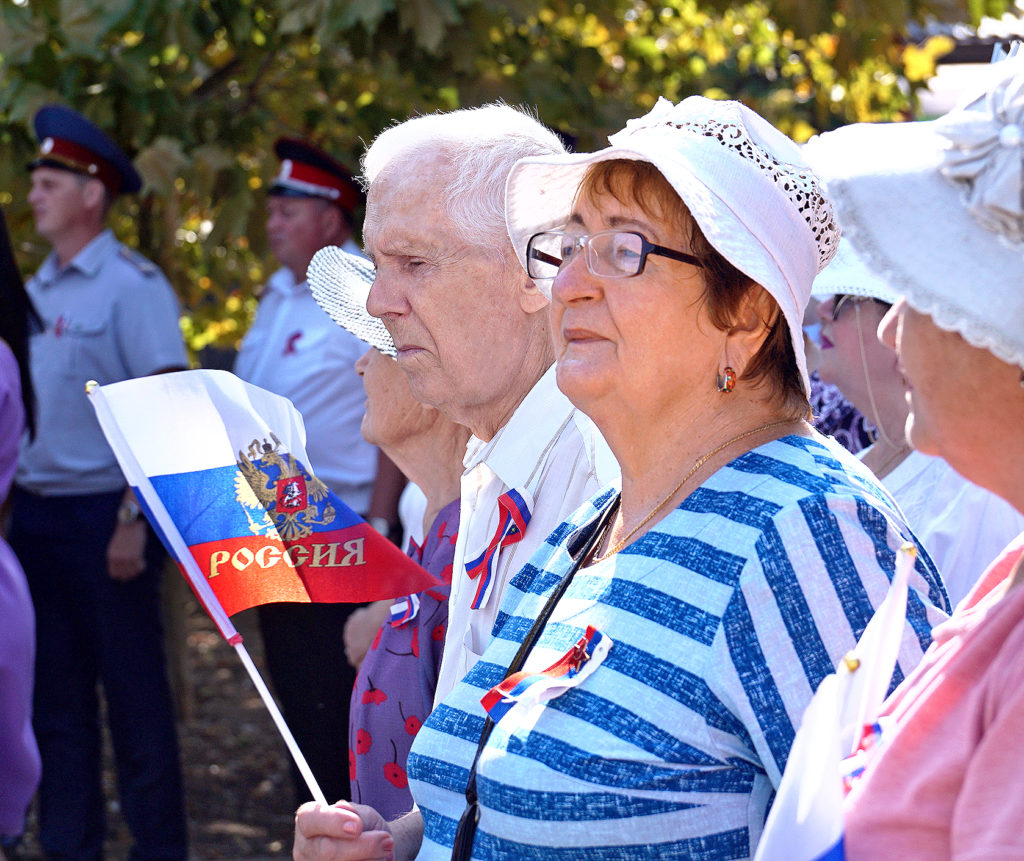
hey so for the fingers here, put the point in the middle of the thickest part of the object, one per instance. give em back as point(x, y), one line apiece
point(126, 551)
point(337, 834)
point(315, 819)
point(361, 628)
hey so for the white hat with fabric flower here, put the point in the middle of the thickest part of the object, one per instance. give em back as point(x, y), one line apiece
point(744, 182)
point(936, 209)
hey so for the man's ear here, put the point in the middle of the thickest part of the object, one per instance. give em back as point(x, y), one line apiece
point(94, 195)
point(531, 300)
point(335, 225)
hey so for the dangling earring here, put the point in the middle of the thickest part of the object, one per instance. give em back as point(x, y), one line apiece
point(726, 380)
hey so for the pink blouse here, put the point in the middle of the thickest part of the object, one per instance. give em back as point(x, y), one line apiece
point(948, 781)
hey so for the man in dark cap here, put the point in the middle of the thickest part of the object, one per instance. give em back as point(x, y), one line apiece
point(92, 564)
point(294, 349)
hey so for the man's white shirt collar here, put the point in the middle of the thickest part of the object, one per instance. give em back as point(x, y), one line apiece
point(515, 451)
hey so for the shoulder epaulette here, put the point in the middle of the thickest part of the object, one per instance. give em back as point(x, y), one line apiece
point(143, 264)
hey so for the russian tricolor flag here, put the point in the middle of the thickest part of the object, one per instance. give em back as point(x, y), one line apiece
point(514, 516)
point(220, 469)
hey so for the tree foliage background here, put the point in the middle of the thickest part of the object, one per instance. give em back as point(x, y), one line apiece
point(197, 90)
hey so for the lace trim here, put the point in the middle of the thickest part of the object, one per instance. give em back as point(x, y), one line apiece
point(798, 183)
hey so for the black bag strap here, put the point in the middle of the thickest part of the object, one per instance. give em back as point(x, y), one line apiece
point(462, 848)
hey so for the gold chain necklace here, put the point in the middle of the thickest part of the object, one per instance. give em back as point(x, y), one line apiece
point(697, 465)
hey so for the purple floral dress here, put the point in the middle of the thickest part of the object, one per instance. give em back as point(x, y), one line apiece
point(835, 416)
point(394, 691)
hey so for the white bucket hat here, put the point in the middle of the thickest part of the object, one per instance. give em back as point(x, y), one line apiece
point(745, 183)
point(340, 282)
point(937, 209)
point(848, 275)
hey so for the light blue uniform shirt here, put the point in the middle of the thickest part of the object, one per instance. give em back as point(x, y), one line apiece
point(294, 349)
point(109, 315)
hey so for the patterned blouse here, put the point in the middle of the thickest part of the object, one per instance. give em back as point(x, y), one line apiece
point(394, 691)
point(836, 417)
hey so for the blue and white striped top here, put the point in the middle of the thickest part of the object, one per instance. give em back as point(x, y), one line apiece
point(724, 618)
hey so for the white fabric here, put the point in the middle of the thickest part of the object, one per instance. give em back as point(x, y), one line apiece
point(847, 274)
point(746, 184)
point(806, 819)
point(928, 207)
point(552, 452)
point(962, 526)
point(412, 505)
point(294, 349)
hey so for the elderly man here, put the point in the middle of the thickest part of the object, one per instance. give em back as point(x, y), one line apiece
point(471, 330)
point(471, 333)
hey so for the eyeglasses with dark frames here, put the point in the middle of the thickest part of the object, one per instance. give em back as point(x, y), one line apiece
point(608, 254)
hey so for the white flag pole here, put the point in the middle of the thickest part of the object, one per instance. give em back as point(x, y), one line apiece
point(282, 727)
point(138, 479)
point(879, 646)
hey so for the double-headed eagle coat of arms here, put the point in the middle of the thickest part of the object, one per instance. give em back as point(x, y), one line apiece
point(278, 494)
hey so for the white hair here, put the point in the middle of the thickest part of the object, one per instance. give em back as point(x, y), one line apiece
point(479, 147)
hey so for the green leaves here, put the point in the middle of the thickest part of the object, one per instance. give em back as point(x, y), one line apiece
point(85, 24)
point(161, 163)
point(21, 33)
point(427, 20)
point(197, 91)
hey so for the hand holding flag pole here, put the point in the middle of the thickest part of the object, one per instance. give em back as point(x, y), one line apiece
point(245, 529)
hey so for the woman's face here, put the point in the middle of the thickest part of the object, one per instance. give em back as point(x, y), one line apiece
point(392, 414)
point(957, 393)
point(636, 342)
point(850, 349)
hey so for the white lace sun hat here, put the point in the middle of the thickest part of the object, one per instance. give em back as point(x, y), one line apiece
point(746, 184)
point(848, 275)
point(937, 209)
point(340, 282)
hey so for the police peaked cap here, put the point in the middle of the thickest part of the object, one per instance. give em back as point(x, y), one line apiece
point(307, 171)
point(68, 141)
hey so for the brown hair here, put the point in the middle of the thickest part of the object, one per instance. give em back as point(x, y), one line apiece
point(640, 183)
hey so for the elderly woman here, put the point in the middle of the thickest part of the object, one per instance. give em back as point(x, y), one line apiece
point(961, 525)
point(936, 209)
point(639, 694)
point(394, 691)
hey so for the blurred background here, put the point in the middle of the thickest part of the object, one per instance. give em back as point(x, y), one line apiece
point(197, 90)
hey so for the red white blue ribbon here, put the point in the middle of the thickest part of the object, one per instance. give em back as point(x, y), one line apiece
point(404, 610)
point(513, 516)
point(872, 737)
point(527, 689)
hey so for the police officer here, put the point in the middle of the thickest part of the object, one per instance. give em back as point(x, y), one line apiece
point(294, 349)
point(92, 564)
